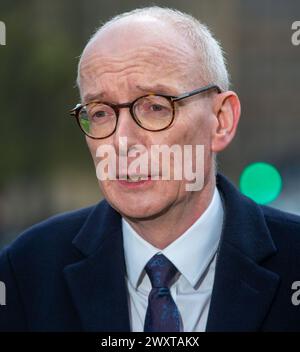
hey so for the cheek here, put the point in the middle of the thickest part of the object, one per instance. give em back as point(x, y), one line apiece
point(93, 145)
point(192, 131)
point(201, 128)
point(196, 129)
point(191, 124)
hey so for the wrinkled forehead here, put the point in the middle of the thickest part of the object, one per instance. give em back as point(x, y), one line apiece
point(147, 43)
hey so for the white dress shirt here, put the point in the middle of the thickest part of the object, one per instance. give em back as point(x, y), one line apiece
point(193, 254)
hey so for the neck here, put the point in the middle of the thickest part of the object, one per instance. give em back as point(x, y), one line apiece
point(166, 228)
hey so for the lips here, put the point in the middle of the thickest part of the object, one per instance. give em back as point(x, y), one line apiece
point(134, 178)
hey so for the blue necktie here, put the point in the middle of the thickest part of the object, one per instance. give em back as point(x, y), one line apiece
point(162, 313)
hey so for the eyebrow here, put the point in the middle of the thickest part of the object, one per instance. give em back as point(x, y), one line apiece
point(92, 97)
point(156, 89)
point(159, 89)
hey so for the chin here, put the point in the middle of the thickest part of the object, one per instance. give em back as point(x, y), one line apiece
point(136, 207)
point(143, 204)
point(136, 210)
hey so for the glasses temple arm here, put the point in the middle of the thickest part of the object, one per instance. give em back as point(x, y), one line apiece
point(197, 91)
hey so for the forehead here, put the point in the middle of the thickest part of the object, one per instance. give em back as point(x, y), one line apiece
point(148, 49)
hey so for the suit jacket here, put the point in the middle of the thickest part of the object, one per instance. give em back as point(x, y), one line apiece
point(67, 273)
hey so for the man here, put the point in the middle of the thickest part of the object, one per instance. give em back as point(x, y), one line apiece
point(154, 256)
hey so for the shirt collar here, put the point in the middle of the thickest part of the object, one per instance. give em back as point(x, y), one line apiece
point(200, 242)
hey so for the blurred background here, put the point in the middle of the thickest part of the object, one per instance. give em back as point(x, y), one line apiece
point(44, 162)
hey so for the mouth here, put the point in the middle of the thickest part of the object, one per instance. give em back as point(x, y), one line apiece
point(137, 178)
point(134, 180)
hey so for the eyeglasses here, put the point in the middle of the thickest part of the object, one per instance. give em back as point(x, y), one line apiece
point(152, 112)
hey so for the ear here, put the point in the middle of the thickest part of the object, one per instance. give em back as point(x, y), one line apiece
point(226, 110)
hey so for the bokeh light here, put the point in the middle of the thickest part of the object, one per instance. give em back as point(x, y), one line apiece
point(261, 182)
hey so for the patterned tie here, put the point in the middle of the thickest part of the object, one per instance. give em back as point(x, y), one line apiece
point(162, 313)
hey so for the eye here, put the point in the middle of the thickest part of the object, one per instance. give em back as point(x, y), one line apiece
point(153, 107)
point(100, 112)
point(156, 107)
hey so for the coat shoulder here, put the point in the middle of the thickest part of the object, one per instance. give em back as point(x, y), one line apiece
point(59, 228)
point(49, 241)
point(281, 222)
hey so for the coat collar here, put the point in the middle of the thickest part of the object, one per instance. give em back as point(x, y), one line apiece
point(243, 289)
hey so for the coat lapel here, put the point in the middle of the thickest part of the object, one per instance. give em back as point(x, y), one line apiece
point(243, 289)
point(97, 283)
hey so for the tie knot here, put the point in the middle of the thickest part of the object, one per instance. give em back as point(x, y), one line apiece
point(160, 271)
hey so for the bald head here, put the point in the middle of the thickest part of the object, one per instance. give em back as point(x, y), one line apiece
point(167, 30)
point(142, 41)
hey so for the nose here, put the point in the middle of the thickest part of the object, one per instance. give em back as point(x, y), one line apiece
point(127, 133)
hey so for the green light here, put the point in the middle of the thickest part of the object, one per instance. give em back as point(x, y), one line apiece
point(261, 182)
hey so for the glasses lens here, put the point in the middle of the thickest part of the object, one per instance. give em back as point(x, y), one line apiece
point(153, 112)
point(97, 120)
